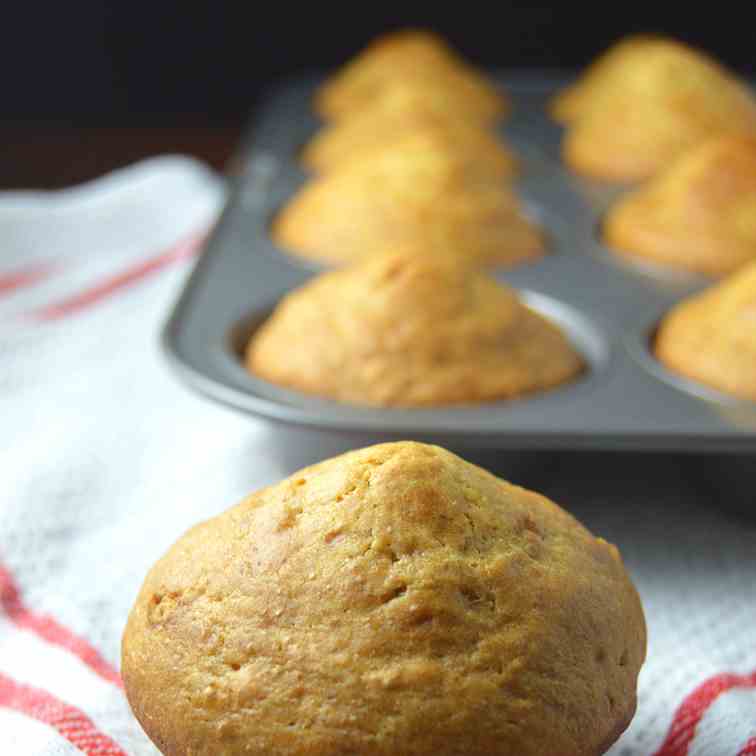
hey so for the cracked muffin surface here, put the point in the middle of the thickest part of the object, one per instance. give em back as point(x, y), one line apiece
point(395, 599)
point(410, 329)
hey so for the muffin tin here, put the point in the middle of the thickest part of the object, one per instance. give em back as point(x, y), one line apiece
point(608, 306)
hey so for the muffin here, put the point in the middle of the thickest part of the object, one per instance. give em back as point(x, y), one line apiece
point(393, 600)
point(699, 214)
point(670, 100)
point(414, 56)
point(404, 111)
point(410, 329)
point(422, 190)
point(711, 337)
point(611, 67)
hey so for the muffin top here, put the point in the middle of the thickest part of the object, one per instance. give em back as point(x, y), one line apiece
point(711, 337)
point(393, 600)
point(669, 100)
point(410, 55)
point(422, 189)
point(608, 69)
point(404, 112)
point(410, 330)
point(699, 214)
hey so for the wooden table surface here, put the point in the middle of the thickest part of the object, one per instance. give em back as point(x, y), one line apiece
point(51, 157)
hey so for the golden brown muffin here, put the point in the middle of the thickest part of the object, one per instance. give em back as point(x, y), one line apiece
point(399, 115)
point(393, 600)
point(671, 99)
point(411, 55)
point(419, 191)
point(410, 330)
point(606, 72)
point(711, 337)
point(700, 214)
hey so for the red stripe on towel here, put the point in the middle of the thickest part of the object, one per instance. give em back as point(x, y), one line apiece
point(17, 279)
point(108, 287)
point(749, 749)
point(51, 631)
point(72, 723)
point(691, 711)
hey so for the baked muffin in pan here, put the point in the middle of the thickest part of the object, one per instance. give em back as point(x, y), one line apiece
point(392, 600)
point(664, 100)
point(423, 190)
point(410, 329)
point(401, 112)
point(605, 72)
point(711, 337)
point(414, 56)
point(698, 215)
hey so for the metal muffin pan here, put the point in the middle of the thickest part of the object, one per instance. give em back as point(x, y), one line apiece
point(608, 306)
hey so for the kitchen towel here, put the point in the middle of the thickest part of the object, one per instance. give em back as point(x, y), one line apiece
point(105, 459)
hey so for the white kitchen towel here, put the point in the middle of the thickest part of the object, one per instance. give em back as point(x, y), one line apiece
point(105, 460)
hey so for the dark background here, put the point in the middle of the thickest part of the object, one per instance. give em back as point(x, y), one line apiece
point(171, 62)
point(88, 86)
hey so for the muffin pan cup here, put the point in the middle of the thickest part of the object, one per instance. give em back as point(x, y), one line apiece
point(607, 305)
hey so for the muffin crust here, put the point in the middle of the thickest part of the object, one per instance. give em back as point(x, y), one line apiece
point(699, 215)
point(711, 337)
point(671, 99)
point(410, 330)
point(415, 56)
point(392, 600)
point(422, 191)
point(607, 71)
point(405, 112)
